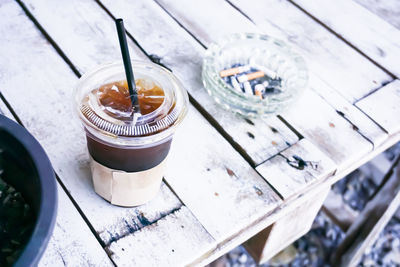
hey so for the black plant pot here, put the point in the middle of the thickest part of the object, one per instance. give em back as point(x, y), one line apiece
point(38, 185)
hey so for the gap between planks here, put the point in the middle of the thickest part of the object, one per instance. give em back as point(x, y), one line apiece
point(367, 31)
point(355, 73)
point(58, 178)
point(78, 74)
point(218, 126)
point(191, 20)
point(192, 100)
point(222, 139)
point(219, 118)
point(338, 35)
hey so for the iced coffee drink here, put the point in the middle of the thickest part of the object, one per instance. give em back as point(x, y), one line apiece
point(129, 149)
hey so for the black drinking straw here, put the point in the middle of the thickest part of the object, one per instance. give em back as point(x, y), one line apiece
point(127, 64)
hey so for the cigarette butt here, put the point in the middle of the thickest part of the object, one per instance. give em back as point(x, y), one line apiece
point(250, 76)
point(247, 88)
point(258, 90)
point(265, 84)
point(233, 71)
point(236, 84)
point(255, 75)
point(267, 72)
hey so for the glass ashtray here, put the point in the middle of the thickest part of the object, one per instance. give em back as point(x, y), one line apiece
point(285, 75)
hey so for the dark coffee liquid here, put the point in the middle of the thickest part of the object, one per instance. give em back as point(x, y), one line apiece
point(114, 97)
point(127, 159)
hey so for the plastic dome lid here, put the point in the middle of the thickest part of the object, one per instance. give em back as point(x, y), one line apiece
point(123, 126)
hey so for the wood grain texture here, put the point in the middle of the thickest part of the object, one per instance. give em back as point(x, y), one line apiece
point(361, 122)
point(383, 107)
point(84, 32)
point(224, 192)
point(372, 35)
point(333, 61)
point(388, 10)
point(193, 21)
point(72, 242)
point(260, 139)
point(173, 236)
point(322, 126)
point(230, 20)
point(39, 86)
point(229, 175)
point(296, 168)
point(221, 19)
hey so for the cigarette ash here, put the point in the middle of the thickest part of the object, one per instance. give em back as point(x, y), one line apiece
point(317, 246)
point(252, 80)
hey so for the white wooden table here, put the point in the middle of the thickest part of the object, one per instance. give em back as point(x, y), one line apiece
point(233, 179)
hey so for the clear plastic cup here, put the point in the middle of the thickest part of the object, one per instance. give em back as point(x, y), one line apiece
point(128, 154)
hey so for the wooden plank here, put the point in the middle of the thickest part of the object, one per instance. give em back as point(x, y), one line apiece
point(221, 19)
point(375, 37)
point(230, 20)
point(338, 210)
point(72, 242)
point(290, 204)
point(363, 124)
point(259, 139)
point(388, 10)
point(322, 126)
point(367, 227)
point(383, 107)
point(333, 61)
point(227, 162)
point(190, 22)
point(392, 140)
point(296, 168)
point(218, 186)
point(341, 214)
point(113, 222)
point(89, 39)
point(39, 86)
point(288, 229)
point(175, 235)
